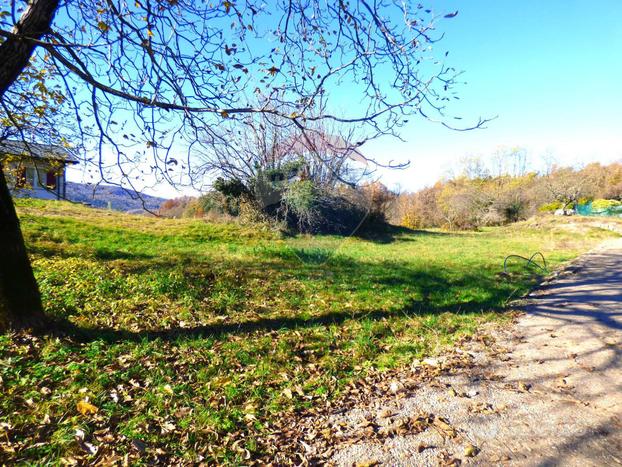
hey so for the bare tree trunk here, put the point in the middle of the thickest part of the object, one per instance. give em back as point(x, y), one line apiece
point(20, 300)
point(15, 51)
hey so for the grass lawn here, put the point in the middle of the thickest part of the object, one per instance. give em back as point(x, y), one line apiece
point(191, 338)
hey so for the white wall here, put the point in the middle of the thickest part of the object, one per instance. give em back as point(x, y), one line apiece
point(37, 177)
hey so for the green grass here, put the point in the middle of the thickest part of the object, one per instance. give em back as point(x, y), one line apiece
point(192, 337)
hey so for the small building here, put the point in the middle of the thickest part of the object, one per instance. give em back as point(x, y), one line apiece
point(36, 170)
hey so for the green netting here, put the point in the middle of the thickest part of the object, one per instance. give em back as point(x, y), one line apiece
point(599, 209)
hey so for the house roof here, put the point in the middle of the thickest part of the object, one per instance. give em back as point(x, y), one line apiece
point(37, 151)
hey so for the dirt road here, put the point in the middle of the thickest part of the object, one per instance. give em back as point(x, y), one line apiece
point(547, 392)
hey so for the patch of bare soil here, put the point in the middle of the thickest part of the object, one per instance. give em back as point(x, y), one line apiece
point(545, 391)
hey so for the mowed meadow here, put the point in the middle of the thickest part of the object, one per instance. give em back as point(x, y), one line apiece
point(183, 341)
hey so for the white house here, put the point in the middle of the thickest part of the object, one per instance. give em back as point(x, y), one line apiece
point(36, 170)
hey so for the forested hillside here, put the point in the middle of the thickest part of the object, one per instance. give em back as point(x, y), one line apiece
point(119, 199)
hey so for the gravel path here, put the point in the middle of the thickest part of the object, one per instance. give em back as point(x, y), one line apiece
point(547, 392)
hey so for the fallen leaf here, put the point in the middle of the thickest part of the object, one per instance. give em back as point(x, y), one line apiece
point(167, 427)
point(86, 408)
point(470, 450)
point(183, 412)
point(367, 463)
point(444, 427)
point(482, 408)
point(396, 387)
point(139, 445)
point(431, 361)
point(88, 447)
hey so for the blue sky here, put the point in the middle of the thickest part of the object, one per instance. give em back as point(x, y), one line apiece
point(551, 70)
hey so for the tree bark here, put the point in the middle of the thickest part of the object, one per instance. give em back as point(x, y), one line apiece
point(20, 300)
point(15, 51)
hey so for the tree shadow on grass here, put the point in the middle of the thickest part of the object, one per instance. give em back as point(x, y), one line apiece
point(429, 286)
point(106, 254)
point(394, 233)
point(111, 254)
point(415, 308)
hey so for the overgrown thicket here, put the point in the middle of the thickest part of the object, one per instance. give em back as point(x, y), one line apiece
point(312, 182)
point(476, 198)
point(297, 205)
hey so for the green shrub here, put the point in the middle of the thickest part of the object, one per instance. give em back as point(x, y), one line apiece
point(513, 211)
point(232, 188)
point(302, 198)
point(216, 203)
point(605, 204)
point(276, 196)
point(554, 206)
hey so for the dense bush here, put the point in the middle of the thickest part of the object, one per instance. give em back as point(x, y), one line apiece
point(301, 199)
point(342, 210)
point(177, 207)
point(379, 200)
point(605, 204)
point(231, 188)
point(298, 205)
point(418, 210)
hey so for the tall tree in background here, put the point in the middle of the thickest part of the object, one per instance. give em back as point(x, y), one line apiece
point(149, 83)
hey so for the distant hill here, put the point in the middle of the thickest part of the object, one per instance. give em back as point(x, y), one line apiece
point(113, 196)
